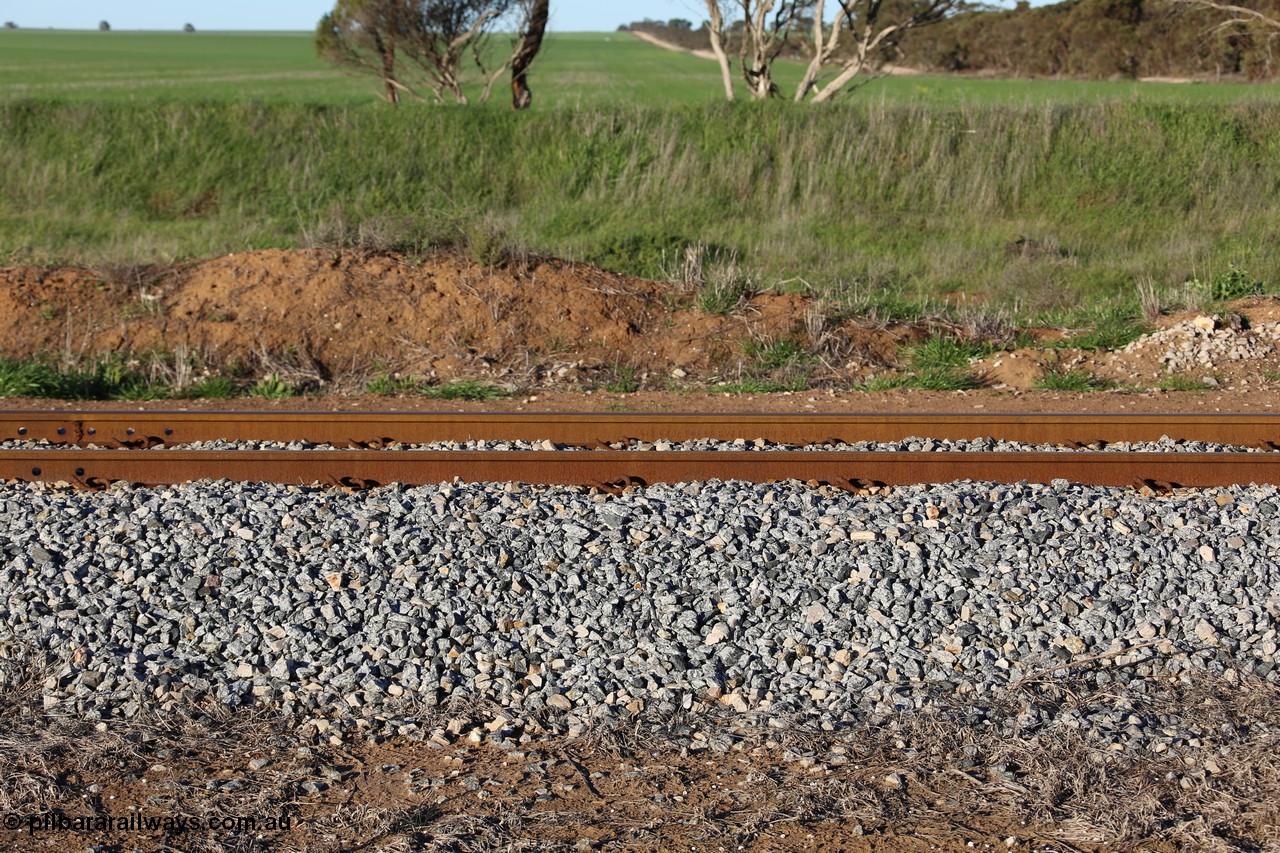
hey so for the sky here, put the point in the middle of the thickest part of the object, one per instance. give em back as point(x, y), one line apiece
point(566, 15)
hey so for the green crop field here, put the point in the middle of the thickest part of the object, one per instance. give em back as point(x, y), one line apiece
point(1037, 196)
point(575, 69)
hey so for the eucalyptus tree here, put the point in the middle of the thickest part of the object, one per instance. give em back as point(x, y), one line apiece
point(858, 39)
point(419, 48)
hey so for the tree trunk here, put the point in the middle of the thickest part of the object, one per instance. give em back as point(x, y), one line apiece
point(822, 51)
point(530, 44)
point(758, 48)
point(387, 52)
point(717, 46)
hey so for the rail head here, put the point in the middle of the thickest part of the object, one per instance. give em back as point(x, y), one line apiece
point(118, 428)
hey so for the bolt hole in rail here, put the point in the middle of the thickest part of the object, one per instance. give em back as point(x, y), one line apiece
point(123, 447)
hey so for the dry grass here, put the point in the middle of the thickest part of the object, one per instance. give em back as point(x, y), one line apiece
point(716, 281)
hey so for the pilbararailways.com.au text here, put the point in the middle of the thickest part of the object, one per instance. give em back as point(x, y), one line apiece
point(39, 824)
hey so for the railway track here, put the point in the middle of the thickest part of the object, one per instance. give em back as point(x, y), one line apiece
point(134, 447)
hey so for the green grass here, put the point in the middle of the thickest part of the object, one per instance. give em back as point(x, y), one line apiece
point(622, 381)
point(388, 386)
point(1106, 335)
point(105, 379)
point(115, 378)
point(464, 389)
point(1072, 380)
point(761, 386)
point(211, 388)
point(1181, 383)
point(778, 354)
point(942, 363)
point(886, 383)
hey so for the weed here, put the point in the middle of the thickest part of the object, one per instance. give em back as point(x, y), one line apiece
point(111, 378)
point(489, 243)
point(1181, 383)
point(942, 363)
point(389, 385)
point(623, 381)
point(721, 297)
point(761, 386)
point(885, 383)
point(1072, 380)
point(946, 352)
point(464, 389)
point(944, 379)
point(1235, 283)
point(777, 354)
point(725, 285)
point(1150, 303)
point(990, 326)
point(212, 388)
point(31, 379)
point(1113, 330)
point(272, 387)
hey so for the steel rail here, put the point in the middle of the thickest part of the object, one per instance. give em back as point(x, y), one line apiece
point(616, 469)
point(138, 429)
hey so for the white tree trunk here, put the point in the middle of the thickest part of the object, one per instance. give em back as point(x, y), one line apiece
point(717, 46)
point(822, 51)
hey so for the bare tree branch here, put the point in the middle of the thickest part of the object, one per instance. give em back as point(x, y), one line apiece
point(1239, 14)
point(871, 33)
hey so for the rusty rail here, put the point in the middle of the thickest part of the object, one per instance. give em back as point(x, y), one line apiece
point(343, 429)
point(613, 469)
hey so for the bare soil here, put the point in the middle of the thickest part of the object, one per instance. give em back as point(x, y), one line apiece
point(331, 316)
point(916, 783)
point(555, 335)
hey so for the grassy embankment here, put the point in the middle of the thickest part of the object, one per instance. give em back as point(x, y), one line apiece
point(1039, 208)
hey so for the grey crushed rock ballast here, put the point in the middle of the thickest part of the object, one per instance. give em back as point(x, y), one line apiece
point(780, 600)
